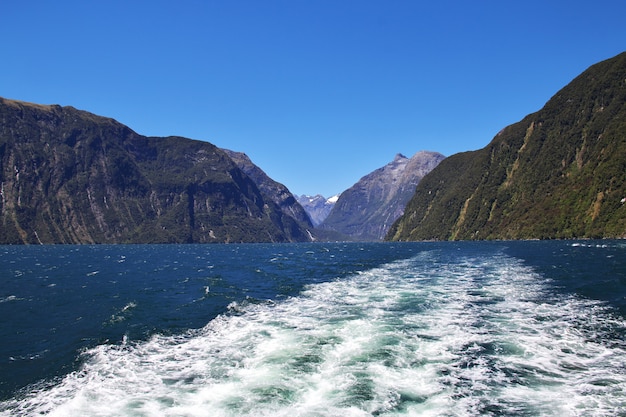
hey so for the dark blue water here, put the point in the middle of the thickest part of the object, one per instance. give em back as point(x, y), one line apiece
point(468, 328)
point(58, 300)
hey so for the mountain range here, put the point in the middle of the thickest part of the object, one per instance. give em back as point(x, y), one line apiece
point(317, 207)
point(366, 210)
point(69, 176)
point(557, 173)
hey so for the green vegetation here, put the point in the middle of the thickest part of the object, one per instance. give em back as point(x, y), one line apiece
point(69, 176)
point(558, 173)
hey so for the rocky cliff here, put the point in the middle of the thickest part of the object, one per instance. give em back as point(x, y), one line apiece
point(69, 176)
point(366, 210)
point(273, 190)
point(558, 173)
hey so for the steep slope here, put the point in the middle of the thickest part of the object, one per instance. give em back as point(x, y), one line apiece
point(273, 190)
point(317, 207)
point(69, 176)
point(367, 209)
point(558, 173)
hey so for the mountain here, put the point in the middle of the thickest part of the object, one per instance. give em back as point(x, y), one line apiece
point(69, 176)
point(317, 207)
point(273, 190)
point(558, 173)
point(366, 210)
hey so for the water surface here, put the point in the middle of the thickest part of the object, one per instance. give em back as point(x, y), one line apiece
point(442, 329)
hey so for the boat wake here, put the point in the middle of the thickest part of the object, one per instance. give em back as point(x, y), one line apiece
point(430, 336)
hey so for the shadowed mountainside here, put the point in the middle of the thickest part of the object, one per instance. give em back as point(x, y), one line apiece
point(275, 191)
point(69, 176)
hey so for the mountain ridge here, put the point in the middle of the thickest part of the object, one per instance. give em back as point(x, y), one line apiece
point(558, 173)
point(70, 176)
point(366, 210)
point(276, 191)
point(317, 207)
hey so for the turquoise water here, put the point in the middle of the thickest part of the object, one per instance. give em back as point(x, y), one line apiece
point(442, 329)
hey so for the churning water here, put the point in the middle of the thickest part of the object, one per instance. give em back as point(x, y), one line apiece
point(423, 329)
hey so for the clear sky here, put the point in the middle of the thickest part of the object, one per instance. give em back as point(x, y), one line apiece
point(318, 93)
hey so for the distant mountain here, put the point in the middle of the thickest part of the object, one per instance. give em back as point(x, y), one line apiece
point(558, 173)
point(275, 191)
point(69, 176)
point(367, 209)
point(317, 207)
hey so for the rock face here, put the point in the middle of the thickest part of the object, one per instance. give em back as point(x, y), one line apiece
point(69, 176)
point(367, 209)
point(558, 173)
point(317, 207)
point(273, 190)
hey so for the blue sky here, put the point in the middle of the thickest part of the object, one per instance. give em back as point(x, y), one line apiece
point(318, 93)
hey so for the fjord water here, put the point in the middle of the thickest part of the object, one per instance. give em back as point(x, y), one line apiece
point(358, 329)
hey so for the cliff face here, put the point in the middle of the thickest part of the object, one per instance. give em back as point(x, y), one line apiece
point(68, 176)
point(367, 209)
point(273, 190)
point(558, 173)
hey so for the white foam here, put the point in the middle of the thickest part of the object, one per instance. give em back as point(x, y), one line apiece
point(419, 337)
point(9, 298)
